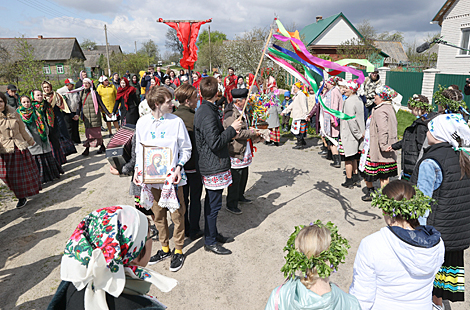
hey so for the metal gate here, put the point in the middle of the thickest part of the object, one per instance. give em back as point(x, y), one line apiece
point(405, 83)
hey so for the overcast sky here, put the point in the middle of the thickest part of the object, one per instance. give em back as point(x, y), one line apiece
point(135, 20)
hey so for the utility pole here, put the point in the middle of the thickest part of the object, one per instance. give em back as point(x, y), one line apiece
point(210, 51)
point(135, 42)
point(107, 50)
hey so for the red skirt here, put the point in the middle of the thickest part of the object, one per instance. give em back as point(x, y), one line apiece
point(19, 171)
point(93, 137)
point(275, 134)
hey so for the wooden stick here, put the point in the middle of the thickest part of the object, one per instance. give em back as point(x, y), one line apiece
point(256, 73)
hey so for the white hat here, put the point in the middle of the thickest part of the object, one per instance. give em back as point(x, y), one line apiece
point(184, 78)
point(102, 78)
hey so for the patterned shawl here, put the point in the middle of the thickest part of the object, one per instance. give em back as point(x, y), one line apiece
point(31, 116)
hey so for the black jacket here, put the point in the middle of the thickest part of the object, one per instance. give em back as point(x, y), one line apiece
point(412, 142)
point(187, 115)
point(131, 113)
point(211, 140)
point(12, 101)
point(450, 215)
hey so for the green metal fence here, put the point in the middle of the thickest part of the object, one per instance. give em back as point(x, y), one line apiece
point(446, 80)
point(405, 83)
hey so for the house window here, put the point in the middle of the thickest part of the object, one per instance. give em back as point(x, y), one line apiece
point(60, 68)
point(465, 41)
point(46, 69)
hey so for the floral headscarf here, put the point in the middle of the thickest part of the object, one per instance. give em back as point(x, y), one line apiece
point(334, 80)
point(31, 116)
point(351, 84)
point(99, 252)
point(451, 128)
point(385, 92)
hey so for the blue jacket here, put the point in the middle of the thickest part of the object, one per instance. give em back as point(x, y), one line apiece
point(293, 295)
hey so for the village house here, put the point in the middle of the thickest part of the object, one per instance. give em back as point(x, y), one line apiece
point(454, 19)
point(53, 52)
point(92, 64)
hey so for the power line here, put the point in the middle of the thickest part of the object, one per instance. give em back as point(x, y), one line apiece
point(38, 8)
point(44, 7)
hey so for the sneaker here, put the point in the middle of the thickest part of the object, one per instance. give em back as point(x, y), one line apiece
point(21, 203)
point(437, 307)
point(160, 256)
point(234, 210)
point(244, 200)
point(177, 261)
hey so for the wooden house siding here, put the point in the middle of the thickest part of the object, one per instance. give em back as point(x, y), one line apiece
point(449, 60)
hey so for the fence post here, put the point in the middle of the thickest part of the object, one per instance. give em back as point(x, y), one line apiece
point(429, 77)
point(383, 74)
point(348, 75)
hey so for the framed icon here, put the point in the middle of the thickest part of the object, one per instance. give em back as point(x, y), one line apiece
point(157, 164)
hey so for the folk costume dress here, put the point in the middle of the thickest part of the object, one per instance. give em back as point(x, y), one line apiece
point(97, 269)
point(49, 168)
point(59, 128)
point(17, 167)
point(330, 126)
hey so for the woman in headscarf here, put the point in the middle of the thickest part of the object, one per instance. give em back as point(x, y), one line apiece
point(332, 99)
point(241, 82)
point(48, 113)
point(82, 75)
point(134, 82)
point(443, 173)
point(89, 110)
point(271, 85)
point(107, 92)
point(17, 168)
point(104, 262)
point(58, 104)
point(378, 161)
point(174, 80)
point(36, 125)
point(127, 98)
point(196, 79)
point(298, 112)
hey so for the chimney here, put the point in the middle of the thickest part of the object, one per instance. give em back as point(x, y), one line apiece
point(319, 18)
point(40, 37)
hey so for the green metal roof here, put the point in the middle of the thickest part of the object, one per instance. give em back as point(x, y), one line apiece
point(312, 31)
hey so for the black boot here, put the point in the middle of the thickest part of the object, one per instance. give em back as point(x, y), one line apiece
point(276, 143)
point(356, 179)
point(298, 145)
point(303, 141)
point(368, 197)
point(101, 150)
point(336, 161)
point(324, 150)
point(349, 183)
point(328, 156)
point(86, 152)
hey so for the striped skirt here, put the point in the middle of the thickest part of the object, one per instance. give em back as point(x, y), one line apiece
point(49, 168)
point(449, 283)
point(374, 171)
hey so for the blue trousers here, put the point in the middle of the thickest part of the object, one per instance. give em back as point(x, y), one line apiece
point(192, 198)
point(212, 205)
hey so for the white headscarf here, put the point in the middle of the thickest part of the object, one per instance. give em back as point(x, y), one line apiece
point(450, 128)
point(93, 95)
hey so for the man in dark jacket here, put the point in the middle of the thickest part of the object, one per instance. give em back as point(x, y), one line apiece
point(12, 96)
point(213, 161)
point(187, 97)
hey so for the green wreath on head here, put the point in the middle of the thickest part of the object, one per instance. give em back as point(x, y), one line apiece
point(407, 208)
point(414, 102)
point(326, 263)
point(446, 103)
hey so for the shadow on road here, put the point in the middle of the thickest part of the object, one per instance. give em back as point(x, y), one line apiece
point(350, 214)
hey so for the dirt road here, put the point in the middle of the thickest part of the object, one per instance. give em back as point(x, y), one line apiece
point(288, 188)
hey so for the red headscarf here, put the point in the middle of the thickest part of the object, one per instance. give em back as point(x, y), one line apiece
point(251, 77)
point(196, 84)
point(157, 82)
point(125, 92)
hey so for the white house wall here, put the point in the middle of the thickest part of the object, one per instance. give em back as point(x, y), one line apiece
point(449, 61)
point(338, 32)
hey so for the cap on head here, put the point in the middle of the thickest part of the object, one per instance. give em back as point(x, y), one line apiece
point(69, 81)
point(12, 87)
point(205, 70)
point(287, 94)
point(103, 78)
point(239, 93)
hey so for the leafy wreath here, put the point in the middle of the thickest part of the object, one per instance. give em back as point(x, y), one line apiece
point(326, 263)
point(407, 208)
point(446, 103)
point(414, 102)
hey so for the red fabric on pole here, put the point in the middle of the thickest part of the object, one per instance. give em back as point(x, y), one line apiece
point(187, 33)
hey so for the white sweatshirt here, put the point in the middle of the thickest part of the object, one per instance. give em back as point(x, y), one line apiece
point(393, 274)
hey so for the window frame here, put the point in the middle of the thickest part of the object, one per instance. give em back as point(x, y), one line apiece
point(46, 69)
point(57, 68)
point(465, 32)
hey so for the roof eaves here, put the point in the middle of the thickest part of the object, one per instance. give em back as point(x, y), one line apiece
point(442, 11)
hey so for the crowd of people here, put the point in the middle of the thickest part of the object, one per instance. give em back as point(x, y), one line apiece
point(196, 132)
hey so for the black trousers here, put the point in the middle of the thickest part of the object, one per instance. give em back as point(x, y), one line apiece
point(72, 127)
point(237, 189)
point(192, 192)
point(212, 206)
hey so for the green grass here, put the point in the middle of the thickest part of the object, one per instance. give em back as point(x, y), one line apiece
point(404, 119)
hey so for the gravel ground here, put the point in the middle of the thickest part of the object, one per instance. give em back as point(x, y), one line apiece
point(288, 188)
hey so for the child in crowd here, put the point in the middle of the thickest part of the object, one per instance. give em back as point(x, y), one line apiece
point(443, 173)
point(395, 267)
point(414, 135)
point(273, 123)
point(285, 118)
point(311, 253)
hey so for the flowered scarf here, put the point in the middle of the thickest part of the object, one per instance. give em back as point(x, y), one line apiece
point(385, 92)
point(30, 115)
point(46, 110)
point(54, 98)
point(99, 253)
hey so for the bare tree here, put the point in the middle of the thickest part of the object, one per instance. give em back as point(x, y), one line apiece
point(172, 42)
point(367, 30)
